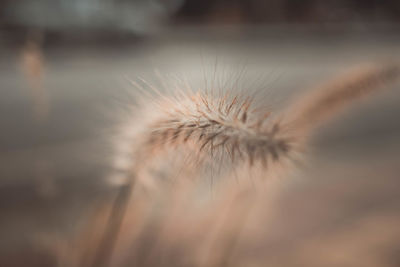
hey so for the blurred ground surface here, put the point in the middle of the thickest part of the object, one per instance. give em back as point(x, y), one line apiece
point(54, 163)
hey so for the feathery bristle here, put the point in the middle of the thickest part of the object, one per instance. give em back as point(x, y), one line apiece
point(216, 124)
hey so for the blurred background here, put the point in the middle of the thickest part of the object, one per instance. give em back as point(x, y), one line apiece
point(65, 67)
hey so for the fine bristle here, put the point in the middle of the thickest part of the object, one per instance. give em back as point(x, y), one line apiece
point(226, 124)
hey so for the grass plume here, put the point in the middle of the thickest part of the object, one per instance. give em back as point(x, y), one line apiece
point(330, 99)
point(230, 126)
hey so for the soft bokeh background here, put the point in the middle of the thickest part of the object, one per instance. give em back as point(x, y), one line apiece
point(65, 67)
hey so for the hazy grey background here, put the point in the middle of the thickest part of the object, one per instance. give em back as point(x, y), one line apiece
point(63, 80)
